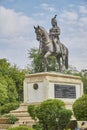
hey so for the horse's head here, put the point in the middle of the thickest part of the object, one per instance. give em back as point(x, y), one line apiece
point(38, 32)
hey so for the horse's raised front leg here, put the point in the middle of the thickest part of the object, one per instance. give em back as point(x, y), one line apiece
point(46, 63)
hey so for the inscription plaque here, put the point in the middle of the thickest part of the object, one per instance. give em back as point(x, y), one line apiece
point(64, 91)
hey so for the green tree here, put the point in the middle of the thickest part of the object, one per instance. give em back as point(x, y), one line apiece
point(13, 80)
point(8, 83)
point(11, 90)
point(49, 113)
point(4, 67)
point(84, 80)
point(3, 90)
point(80, 108)
point(8, 91)
point(38, 61)
point(17, 76)
point(11, 86)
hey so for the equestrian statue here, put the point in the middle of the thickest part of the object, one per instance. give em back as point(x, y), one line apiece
point(50, 45)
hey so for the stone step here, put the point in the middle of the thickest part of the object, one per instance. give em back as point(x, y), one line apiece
point(5, 126)
point(2, 129)
point(25, 122)
point(21, 114)
point(21, 110)
point(29, 124)
point(25, 118)
point(24, 107)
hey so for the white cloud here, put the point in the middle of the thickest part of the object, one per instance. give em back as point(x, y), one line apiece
point(83, 21)
point(78, 62)
point(74, 35)
point(69, 16)
point(83, 9)
point(48, 7)
point(39, 14)
point(12, 23)
point(16, 36)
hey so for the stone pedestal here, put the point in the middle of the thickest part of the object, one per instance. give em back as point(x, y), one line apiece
point(49, 85)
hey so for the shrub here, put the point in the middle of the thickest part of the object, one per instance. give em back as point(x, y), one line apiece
point(49, 113)
point(11, 119)
point(8, 107)
point(37, 126)
point(20, 128)
point(80, 108)
point(64, 118)
point(32, 111)
point(72, 125)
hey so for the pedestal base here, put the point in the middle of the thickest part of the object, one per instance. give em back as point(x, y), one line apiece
point(48, 85)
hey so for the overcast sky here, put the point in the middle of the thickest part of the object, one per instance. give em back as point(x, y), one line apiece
point(17, 36)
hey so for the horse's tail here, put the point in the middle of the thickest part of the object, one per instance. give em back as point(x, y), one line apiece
point(66, 60)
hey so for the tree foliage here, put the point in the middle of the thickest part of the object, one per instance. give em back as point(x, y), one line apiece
point(4, 67)
point(84, 80)
point(18, 76)
point(80, 108)
point(51, 114)
point(38, 61)
point(6, 108)
point(3, 90)
point(11, 83)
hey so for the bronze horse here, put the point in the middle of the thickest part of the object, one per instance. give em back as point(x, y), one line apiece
point(46, 47)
